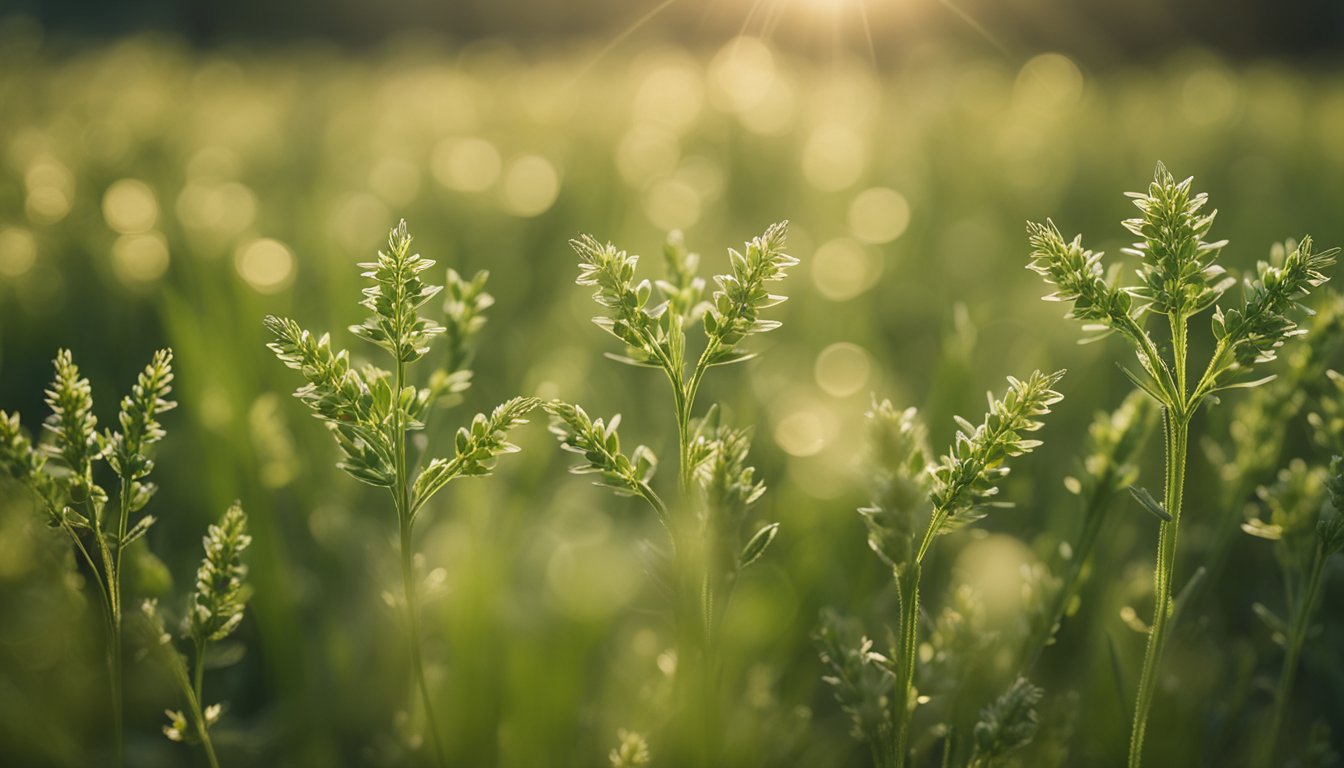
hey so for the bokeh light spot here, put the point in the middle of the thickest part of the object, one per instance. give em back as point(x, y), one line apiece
point(878, 215)
point(130, 207)
point(265, 264)
point(842, 369)
point(51, 191)
point(1049, 82)
point(672, 204)
point(18, 251)
point(843, 268)
point(467, 165)
point(531, 185)
point(140, 259)
point(833, 157)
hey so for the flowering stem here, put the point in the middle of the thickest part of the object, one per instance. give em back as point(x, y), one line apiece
point(1177, 427)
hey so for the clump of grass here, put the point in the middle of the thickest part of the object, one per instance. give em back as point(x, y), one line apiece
point(717, 488)
point(1179, 279)
point(371, 411)
point(214, 611)
point(61, 471)
point(909, 494)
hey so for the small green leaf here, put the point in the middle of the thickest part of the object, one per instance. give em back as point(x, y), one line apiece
point(758, 544)
point(1147, 501)
point(140, 528)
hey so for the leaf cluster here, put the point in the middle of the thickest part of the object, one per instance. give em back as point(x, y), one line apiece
point(966, 479)
point(654, 331)
point(861, 683)
point(370, 410)
point(60, 470)
point(1006, 725)
point(1180, 278)
point(221, 592)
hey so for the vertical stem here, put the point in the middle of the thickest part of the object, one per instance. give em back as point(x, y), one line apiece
point(1177, 425)
point(697, 658)
point(112, 564)
point(191, 688)
point(402, 498)
point(905, 662)
point(413, 627)
point(1293, 652)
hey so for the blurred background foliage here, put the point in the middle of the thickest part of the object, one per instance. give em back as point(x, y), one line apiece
point(172, 187)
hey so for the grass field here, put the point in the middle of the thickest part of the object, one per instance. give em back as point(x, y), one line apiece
point(152, 195)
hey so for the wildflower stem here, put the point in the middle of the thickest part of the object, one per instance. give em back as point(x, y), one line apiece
point(112, 562)
point(1177, 428)
point(905, 663)
point(402, 497)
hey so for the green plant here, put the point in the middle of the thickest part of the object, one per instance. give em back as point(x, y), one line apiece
point(1006, 725)
point(878, 689)
point(1257, 426)
point(371, 411)
point(60, 472)
point(1305, 522)
point(717, 487)
point(1306, 531)
point(214, 611)
point(1179, 279)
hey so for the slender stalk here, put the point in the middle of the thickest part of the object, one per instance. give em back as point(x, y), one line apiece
point(112, 562)
point(905, 663)
point(1177, 427)
point(197, 711)
point(413, 624)
point(402, 497)
point(1293, 652)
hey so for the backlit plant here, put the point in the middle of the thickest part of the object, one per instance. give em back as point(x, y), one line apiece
point(909, 495)
point(1179, 278)
point(371, 411)
point(61, 471)
point(214, 611)
point(717, 488)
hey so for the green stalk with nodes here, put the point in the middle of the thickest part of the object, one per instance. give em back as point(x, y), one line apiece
point(1179, 279)
point(878, 689)
point(60, 473)
point(716, 486)
point(214, 611)
point(371, 411)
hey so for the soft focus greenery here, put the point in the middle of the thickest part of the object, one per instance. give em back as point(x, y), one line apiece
point(155, 196)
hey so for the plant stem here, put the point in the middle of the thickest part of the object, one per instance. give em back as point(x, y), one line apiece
point(905, 662)
point(697, 657)
point(402, 498)
point(112, 564)
point(413, 624)
point(1293, 652)
point(203, 728)
point(1177, 428)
